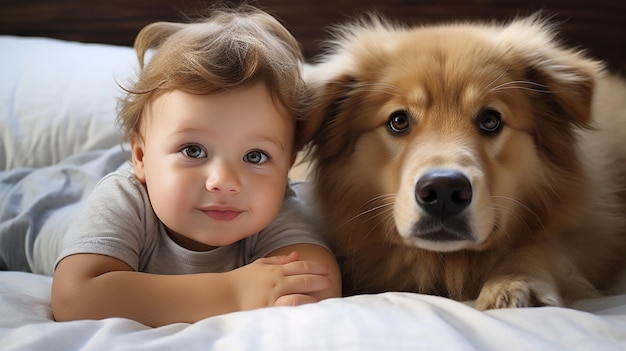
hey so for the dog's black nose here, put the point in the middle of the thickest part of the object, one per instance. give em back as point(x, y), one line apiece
point(443, 193)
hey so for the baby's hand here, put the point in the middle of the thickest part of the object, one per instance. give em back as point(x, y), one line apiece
point(279, 281)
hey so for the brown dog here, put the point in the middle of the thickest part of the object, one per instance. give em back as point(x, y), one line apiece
point(474, 161)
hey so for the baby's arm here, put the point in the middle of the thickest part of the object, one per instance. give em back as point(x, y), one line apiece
point(91, 286)
point(312, 253)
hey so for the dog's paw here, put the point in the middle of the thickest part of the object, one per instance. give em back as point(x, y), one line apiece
point(510, 292)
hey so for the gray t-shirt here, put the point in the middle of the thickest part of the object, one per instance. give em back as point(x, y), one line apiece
point(117, 220)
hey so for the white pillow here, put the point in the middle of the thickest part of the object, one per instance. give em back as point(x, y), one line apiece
point(58, 98)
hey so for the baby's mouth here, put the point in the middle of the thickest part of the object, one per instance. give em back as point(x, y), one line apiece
point(222, 214)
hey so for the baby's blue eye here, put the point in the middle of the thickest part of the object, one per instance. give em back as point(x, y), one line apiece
point(256, 157)
point(193, 151)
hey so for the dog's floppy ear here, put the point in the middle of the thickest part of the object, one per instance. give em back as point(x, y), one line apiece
point(334, 81)
point(561, 85)
point(565, 75)
point(328, 97)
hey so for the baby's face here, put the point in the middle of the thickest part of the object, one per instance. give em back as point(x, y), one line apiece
point(215, 166)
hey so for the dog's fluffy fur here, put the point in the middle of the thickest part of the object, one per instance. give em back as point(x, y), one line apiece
point(475, 161)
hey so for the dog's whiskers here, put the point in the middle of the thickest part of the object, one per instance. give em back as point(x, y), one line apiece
point(380, 91)
point(390, 226)
point(384, 209)
point(522, 85)
point(490, 85)
point(498, 225)
point(386, 85)
point(386, 199)
point(521, 205)
point(387, 221)
point(383, 88)
point(382, 197)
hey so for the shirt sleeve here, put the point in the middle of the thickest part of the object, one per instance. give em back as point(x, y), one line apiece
point(111, 221)
point(295, 224)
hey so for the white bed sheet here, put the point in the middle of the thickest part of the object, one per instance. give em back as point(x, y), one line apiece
point(389, 321)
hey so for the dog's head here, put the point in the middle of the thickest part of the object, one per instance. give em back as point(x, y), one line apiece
point(465, 130)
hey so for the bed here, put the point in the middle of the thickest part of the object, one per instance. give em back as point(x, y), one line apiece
point(58, 100)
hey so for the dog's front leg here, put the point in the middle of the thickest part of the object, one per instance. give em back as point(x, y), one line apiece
point(517, 291)
point(525, 278)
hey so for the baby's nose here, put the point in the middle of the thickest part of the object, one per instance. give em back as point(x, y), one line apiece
point(223, 177)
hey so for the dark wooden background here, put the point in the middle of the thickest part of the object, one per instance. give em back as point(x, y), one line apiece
point(596, 25)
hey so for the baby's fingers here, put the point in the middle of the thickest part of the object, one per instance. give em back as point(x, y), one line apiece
point(295, 300)
point(305, 284)
point(306, 267)
point(281, 259)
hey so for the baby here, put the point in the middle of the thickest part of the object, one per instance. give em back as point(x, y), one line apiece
point(205, 221)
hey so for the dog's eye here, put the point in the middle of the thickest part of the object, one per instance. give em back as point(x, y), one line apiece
point(489, 121)
point(399, 122)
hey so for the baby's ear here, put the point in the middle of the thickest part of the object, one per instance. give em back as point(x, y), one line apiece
point(137, 152)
